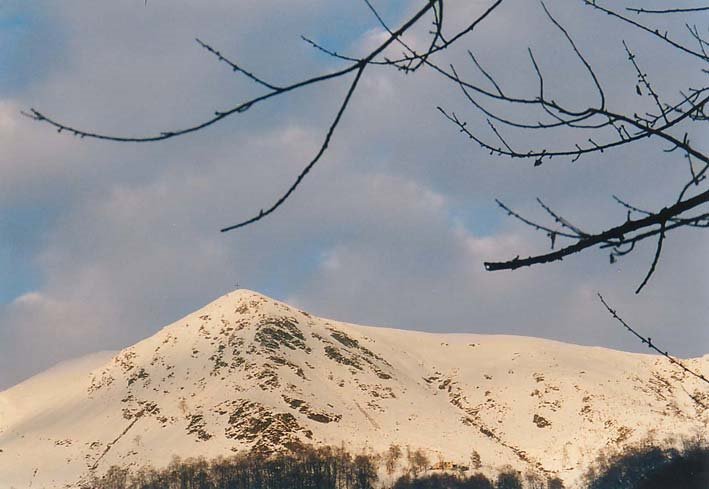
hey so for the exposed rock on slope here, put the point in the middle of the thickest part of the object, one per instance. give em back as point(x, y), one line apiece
point(250, 373)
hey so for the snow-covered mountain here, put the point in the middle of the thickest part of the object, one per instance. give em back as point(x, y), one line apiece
point(248, 372)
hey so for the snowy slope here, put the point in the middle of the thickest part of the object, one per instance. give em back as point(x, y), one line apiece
point(247, 372)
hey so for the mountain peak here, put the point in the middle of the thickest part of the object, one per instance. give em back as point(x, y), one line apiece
point(245, 301)
point(241, 293)
point(238, 296)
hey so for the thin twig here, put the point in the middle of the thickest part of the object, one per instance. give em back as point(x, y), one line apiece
point(658, 251)
point(668, 10)
point(306, 170)
point(236, 67)
point(648, 341)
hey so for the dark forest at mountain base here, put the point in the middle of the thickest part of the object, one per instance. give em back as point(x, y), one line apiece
point(652, 467)
point(640, 467)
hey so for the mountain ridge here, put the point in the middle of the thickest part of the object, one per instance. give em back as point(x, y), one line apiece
point(246, 372)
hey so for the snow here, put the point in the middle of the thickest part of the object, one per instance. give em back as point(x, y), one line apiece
point(198, 386)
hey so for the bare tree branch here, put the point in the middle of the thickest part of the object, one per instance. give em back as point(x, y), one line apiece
point(312, 163)
point(244, 106)
point(236, 67)
point(648, 341)
point(617, 233)
point(668, 10)
point(658, 251)
point(653, 32)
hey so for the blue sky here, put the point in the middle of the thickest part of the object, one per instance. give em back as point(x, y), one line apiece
point(101, 244)
point(15, 27)
point(22, 224)
point(28, 38)
point(21, 229)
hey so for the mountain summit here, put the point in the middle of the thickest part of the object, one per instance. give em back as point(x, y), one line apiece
point(250, 373)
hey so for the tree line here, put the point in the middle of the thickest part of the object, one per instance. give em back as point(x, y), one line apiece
point(305, 468)
point(645, 466)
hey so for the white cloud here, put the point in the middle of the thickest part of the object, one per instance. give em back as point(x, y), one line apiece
point(8, 118)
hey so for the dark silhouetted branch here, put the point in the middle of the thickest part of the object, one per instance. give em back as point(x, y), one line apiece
point(667, 10)
point(236, 67)
point(650, 30)
point(616, 233)
point(312, 163)
point(648, 341)
point(658, 251)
